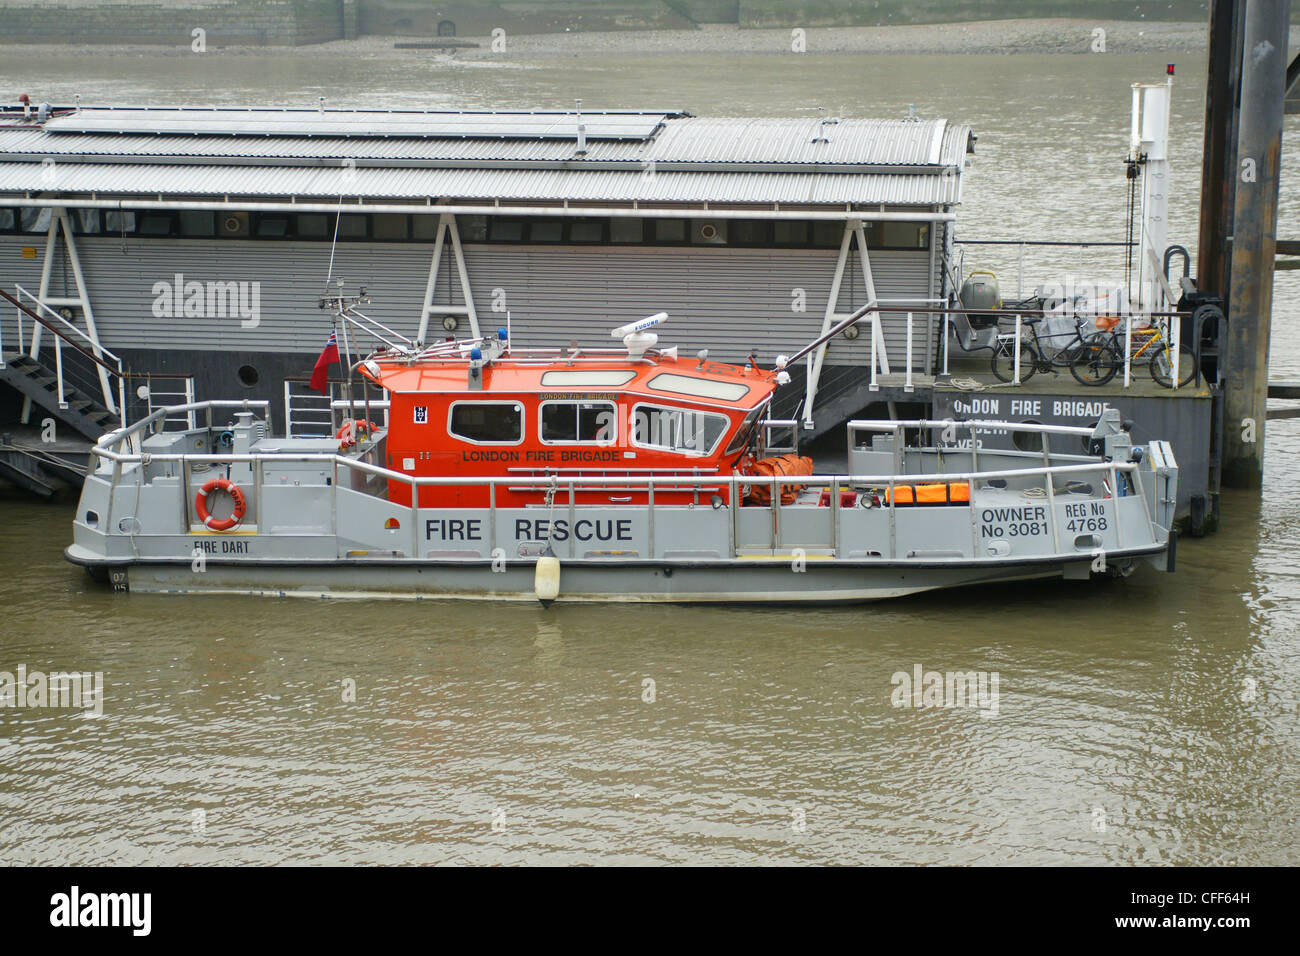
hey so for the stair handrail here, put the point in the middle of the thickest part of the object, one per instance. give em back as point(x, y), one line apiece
point(62, 321)
point(61, 337)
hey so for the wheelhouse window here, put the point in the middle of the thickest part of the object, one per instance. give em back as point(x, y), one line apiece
point(583, 377)
point(699, 387)
point(578, 422)
point(744, 432)
point(487, 423)
point(686, 431)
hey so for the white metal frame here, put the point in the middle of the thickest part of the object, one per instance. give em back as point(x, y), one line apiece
point(447, 229)
point(852, 228)
point(59, 222)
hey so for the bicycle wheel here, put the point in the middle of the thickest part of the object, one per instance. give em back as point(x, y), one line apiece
point(1161, 366)
point(1004, 361)
point(1095, 363)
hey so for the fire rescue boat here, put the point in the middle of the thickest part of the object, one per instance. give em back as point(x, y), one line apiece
point(478, 469)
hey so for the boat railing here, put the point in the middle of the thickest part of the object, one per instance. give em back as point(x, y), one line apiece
point(949, 429)
point(568, 487)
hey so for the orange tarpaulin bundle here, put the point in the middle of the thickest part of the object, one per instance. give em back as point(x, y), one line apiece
point(780, 465)
point(956, 492)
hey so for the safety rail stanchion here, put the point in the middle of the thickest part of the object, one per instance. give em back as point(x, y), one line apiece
point(288, 412)
point(1051, 507)
point(734, 491)
point(1015, 377)
point(774, 494)
point(334, 500)
point(907, 383)
point(1128, 349)
point(835, 516)
point(893, 527)
point(1175, 338)
point(947, 331)
point(1114, 493)
point(573, 543)
point(875, 337)
point(58, 366)
point(492, 520)
point(415, 517)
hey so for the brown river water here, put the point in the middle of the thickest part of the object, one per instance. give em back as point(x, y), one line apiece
point(1153, 720)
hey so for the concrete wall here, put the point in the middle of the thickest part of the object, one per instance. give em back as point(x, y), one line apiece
point(226, 22)
point(477, 20)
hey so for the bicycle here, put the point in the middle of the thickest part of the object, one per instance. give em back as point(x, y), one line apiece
point(1102, 356)
point(1033, 356)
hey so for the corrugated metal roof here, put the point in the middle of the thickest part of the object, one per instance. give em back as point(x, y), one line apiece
point(685, 139)
point(482, 184)
point(688, 159)
point(218, 121)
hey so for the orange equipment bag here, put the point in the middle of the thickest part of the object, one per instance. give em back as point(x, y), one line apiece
point(780, 465)
point(955, 492)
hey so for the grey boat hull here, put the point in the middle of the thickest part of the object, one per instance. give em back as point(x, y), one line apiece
point(769, 581)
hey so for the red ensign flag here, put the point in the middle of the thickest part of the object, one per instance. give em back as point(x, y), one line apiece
point(320, 375)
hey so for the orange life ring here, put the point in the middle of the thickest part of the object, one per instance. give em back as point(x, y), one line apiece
point(201, 504)
point(347, 434)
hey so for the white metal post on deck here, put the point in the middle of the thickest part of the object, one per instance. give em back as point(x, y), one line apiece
point(907, 385)
point(447, 229)
point(59, 220)
point(853, 228)
point(1149, 141)
point(1015, 361)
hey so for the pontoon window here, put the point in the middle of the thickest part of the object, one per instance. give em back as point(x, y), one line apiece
point(272, 227)
point(563, 422)
point(699, 387)
point(198, 222)
point(587, 230)
point(687, 431)
point(353, 226)
point(626, 230)
point(545, 230)
point(86, 222)
point(315, 225)
point(588, 377)
point(426, 227)
point(156, 224)
point(472, 228)
point(6, 220)
point(115, 221)
point(487, 423)
point(506, 230)
point(669, 230)
point(787, 232)
point(36, 220)
point(389, 226)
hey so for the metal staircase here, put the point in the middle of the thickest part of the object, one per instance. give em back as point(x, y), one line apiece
point(78, 409)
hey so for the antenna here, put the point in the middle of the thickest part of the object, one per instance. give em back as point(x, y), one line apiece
point(635, 336)
point(582, 130)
